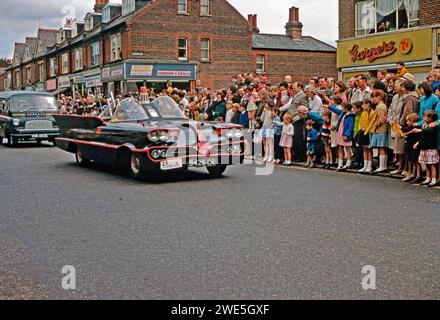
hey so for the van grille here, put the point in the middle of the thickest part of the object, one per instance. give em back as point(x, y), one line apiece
point(39, 125)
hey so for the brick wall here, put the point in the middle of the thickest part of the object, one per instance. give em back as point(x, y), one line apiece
point(155, 33)
point(429, 12)
point(300, 65)
point(346, 19)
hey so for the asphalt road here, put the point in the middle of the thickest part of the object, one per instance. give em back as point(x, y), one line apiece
point(295, 234)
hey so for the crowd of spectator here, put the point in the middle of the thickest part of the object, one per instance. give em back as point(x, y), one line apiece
point(388, 123)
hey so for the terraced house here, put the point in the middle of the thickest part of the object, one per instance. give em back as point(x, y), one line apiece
point(119, 48)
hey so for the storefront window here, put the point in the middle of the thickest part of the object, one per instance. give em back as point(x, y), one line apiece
point(377, 16)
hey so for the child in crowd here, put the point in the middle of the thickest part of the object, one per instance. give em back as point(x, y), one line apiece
point(312, 138)
point(344, 136)
point(286, 138)
point(244, 119)
point(357, 149)
point(335, 101)
point(326, 139)
point(277, 131)
point(379, 129)
point(230, 111)
point(364, 138)
point(267, 133)
point(412, 151)
point(428, 148)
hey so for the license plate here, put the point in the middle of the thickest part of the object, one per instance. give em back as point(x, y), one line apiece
point(171, 164)
point(202, 163)
point(40, 136)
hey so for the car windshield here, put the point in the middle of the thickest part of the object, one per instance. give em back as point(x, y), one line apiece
point(38, 103)
point(129, 110)
point(165, 107)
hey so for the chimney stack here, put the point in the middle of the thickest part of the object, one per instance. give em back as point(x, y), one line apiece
point(99, 5)
point(294, 27)
point(252, 19)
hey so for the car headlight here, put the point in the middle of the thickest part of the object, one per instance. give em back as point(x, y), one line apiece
point(16, 122)
point(155, 154)
point(163, 136)
point(163, 153)
point(154, 137)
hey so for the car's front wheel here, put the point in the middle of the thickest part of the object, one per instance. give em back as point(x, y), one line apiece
point(12, 142)
point(80, 159)
point(138, 167)
point(217, 171)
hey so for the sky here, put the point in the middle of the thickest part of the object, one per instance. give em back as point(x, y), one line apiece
point(21, 18)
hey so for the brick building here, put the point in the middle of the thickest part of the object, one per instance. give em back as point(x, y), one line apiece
point(376, 34)
point(118, 48)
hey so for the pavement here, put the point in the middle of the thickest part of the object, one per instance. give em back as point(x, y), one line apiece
point(294, 234)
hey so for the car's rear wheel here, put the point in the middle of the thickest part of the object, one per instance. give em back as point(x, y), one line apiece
point(217, 171)
point(80, 159)
point(138, 166)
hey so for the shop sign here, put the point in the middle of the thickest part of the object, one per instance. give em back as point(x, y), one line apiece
point(160, 71)
point(141, 70)
point(63, 82)
point(79, 79)
point(51, 84)
point(414, 45)
point(93, 82)
point(372, 54)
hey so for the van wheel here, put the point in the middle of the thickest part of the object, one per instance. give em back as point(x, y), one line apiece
point(12, 142)
point(80, 160)
point(217, 171)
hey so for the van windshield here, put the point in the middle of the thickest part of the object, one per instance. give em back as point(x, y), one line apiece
point(36, 103)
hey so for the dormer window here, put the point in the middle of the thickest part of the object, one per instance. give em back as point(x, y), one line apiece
point(106, 14)
point(88, 23)
point(128, 6)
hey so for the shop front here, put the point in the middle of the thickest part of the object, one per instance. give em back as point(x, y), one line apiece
point(93, 82)
point(78, 84)
point(138, 73)
point(367, 55)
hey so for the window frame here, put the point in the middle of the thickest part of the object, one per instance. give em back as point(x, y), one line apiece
point(263, 70)
point(116, 47)
point(363, 32)
point(182, 4)
point(41, 72)
point(94, 54)
point(65, 69)
point(182, 48)
point(207, 50)
point(207, 6)
point(79, 59)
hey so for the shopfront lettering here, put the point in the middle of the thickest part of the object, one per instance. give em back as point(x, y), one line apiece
point(372, 54)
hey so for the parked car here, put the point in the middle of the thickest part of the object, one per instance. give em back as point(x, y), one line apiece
point(27, 116)
point(150, 138)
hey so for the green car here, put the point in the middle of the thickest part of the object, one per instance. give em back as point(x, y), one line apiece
point(27, 116)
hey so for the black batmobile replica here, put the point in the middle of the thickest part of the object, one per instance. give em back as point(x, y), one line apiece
point(152, 137)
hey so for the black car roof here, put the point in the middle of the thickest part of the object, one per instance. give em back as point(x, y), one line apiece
point(9, 94)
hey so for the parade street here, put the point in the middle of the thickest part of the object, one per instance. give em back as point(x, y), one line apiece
point(295, 234)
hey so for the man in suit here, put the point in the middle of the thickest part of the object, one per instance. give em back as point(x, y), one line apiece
point(299, 99)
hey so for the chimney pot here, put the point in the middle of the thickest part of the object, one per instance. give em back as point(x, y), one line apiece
point(294, 26)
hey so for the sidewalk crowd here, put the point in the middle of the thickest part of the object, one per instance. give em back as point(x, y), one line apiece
point(392, 120)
